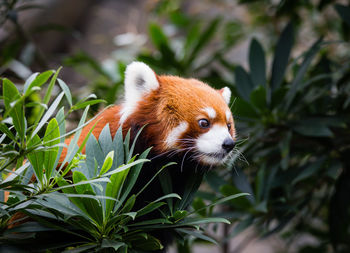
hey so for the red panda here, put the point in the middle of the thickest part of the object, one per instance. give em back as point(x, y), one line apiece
point(185, 121)
point(181, 116)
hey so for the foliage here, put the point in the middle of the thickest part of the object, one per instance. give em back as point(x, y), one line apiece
point(88, 202)
point(291, 112)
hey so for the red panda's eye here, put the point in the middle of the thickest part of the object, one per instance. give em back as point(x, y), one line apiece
point(203, 123)
point(229, 126)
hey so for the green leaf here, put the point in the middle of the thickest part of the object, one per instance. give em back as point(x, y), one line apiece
point(309, 171)
point(47, 95)
point(6, 130)
point(124, 167)
point(310, 54)
point(258, 98)
point(72, 148)
point(82, 188)
point(230, 190)
point(149, 208)
point(156, 204)
point(148, 243)
point(113, 189)
point(36, 157)
point(245, 109)
point(107, 163)
point(38, 81)
point(119, 148)
point(106, 243)
point(159, 221)
point(90, 181)
point(161, 42)
point(193, 182)
point(200, 221)
point(260, 184)
point(282, 52)
point(66, 91)
point(91, 203)
point(312, 129)
point(14, 174)
point(155, 176)
point(48, 114)
point(129, 204)
point(132, 177)
point(131, 150)
point(14, 109)
point(67, 188)
point(223, 200)
point(86, 103)
point(257, 64)
point(199, 206)
point(241, 181)
point(197, 234)
point(191, 38)
point(344, 12)
point(60, 203)
point(203, 40)
point(166, 184)
point(179, 215)
point(30, 79)
point(50, 139)
point(244, 84)
point(158, 37)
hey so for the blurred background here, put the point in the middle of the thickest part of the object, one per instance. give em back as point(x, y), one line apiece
point(287, 64)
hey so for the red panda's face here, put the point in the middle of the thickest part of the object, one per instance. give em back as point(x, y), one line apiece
point(184, 115)
point(202, 121)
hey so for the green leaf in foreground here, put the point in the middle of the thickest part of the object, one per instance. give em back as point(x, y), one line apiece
point(13, 107)
point(51, 138)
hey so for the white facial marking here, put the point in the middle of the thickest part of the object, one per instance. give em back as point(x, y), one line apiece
point(226, 93)
point(211, 142)
point(228, 115)
point(139, 80)
point(210, 111)
point(175, 134)
point(211, 160)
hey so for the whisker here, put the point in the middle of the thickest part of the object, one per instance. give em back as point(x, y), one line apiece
point(183, 159)
point(234, 101)
point(241, 141)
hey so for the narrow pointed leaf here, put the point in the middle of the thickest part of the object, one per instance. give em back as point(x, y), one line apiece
point(244, 84)
point(107, 163)
point(281, 58)
point(66, 91)
point(16, 111)
point(36, 158)
point(257, 64)
point(38, 81)
point(48, 113)
point(50, 139)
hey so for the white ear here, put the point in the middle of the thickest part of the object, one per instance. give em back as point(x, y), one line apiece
point(139, 81)
point(226, 93)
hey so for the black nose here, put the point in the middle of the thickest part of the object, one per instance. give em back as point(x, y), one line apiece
point(228, 144)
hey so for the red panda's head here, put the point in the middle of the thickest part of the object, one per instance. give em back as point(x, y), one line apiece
point(182, 115)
